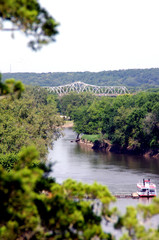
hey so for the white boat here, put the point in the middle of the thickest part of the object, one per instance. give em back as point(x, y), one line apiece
point(146, 188)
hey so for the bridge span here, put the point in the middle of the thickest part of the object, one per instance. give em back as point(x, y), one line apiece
point(83, 87)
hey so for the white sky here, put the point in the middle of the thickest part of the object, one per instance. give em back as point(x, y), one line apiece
point(94, 35)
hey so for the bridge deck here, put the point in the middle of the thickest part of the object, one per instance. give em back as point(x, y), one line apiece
point(83, 87)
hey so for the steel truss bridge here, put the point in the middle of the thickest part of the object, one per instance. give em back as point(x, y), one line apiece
point(83, 87)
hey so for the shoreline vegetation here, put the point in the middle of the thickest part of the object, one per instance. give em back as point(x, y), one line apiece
point(93, 142)
point(106, 146)
point(68, 124)
point(127, 124)
point(34, 119)
point(30, 123)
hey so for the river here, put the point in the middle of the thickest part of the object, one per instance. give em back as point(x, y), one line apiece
point(119, 172)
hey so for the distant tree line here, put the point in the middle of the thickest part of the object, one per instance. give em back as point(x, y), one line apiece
point(131, 78)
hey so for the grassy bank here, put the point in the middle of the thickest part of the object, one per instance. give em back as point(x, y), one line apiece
point(91, 138)
point(68, 124)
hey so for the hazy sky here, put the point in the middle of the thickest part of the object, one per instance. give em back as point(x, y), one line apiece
point(94, 35)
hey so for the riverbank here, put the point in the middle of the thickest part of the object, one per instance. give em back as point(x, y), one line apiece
point(68, 124)
point(82, 163)
point(106, 146)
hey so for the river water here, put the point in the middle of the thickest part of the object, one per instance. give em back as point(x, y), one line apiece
point(119, 172)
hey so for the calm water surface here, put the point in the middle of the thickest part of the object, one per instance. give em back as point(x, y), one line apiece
point(117, 171)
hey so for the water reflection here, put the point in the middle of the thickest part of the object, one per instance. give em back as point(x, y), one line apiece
point(145, 200)
point(118, 171)
point(123, 160)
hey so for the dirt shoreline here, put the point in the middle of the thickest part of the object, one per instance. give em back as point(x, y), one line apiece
point(68, 124)
point(107, 147)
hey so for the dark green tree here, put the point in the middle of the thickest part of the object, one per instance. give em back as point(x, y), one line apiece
point(57, 212)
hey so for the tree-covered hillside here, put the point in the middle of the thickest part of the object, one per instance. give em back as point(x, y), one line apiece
point(131, 78)
point(129, 122)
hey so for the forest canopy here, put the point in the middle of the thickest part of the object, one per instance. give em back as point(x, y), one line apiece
point(132, 78)
point(32, 205)
point(130, 122)
point(31, 120)
point(71, 210)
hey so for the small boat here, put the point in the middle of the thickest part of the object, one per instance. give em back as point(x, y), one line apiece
point(146, 188)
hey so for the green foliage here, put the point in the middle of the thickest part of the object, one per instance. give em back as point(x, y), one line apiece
point(8, 160)
point(136, 222)
point(62, 213)
point(33, 206)
point(130, 122)
point(134, 79)
point(14, 88)
point(11, 88)
point(28, 121)
point(28, 157)
point(92, 138)
point(69, 103)
point(30, 18)
point(19, 215)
